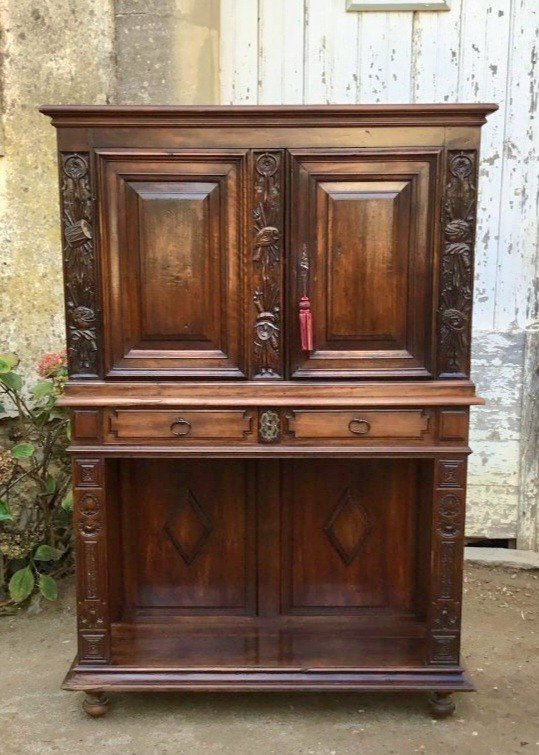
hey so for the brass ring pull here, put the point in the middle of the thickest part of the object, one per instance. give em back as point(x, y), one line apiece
point(184, 427)
point(359, 426)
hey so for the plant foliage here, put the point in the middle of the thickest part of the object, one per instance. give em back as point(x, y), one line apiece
point(35, 494)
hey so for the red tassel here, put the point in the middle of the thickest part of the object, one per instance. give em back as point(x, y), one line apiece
point(305, 324)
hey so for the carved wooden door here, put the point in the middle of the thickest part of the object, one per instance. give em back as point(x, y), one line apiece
point(361, 247)
point(172, 247)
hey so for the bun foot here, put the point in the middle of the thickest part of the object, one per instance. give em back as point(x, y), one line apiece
point(95, 704)
point(441, 704)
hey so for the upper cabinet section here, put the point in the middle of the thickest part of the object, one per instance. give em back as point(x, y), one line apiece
point(362, 247)
point(171, 261)
point(191, 236)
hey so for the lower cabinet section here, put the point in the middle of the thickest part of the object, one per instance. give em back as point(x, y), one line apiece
point(291, 566)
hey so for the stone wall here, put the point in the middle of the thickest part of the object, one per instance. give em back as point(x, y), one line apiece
point(78, 51)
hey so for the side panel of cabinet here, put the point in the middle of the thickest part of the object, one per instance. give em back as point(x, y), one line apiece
point(172, 244)
point(362, 249)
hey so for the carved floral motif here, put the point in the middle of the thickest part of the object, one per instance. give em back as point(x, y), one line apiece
point(80, 265)
point(456, 277)
point(266, 257)
point(89, 516)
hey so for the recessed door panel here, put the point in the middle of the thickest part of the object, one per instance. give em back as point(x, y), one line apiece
point(348, 530)
point(360, 250)
point(174, 251)
point(188, 536)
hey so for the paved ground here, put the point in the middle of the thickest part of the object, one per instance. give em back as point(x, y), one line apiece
point(501, 652)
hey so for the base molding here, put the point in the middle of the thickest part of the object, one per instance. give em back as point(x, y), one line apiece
point(122, 679)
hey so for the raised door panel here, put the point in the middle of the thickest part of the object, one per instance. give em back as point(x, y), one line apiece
point(349, 529)
point(362, 249)
point(172, 243)
point(188, 537)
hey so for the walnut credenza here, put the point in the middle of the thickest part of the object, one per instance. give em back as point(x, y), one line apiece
point(268, 326)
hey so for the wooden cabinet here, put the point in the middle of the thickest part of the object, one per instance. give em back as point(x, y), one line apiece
point(268, 327)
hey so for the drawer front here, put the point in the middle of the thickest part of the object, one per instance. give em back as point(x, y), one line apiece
point(353, 426)
point(217, 426)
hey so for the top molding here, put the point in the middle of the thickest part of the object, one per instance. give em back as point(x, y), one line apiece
point(280, 116)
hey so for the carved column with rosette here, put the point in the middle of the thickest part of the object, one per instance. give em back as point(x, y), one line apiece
point(90, 547)
point(447, 547)
point(456, 265)
point(80, 266)
point(266, 264)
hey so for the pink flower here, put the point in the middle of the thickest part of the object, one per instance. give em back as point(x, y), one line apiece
point(51, 363)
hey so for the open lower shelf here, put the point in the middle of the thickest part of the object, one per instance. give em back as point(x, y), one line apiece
point(392, 642)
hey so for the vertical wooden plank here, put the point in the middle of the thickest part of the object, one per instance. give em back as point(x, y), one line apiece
point(435, 55)
point(518, 216)
point(331, 53)
point(280, 48)
point(385, 71)
point(483, 77)
point(239, 52)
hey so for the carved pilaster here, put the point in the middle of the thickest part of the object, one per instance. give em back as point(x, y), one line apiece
point(447, 552)
point(266, 260)
point(456, 266)
point(90, 538)
point(80, 266)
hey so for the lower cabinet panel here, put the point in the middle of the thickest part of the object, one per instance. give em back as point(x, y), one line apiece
point(188, 532)
point(277, 564)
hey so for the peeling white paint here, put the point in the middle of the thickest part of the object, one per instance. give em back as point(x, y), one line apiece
point(313, 51)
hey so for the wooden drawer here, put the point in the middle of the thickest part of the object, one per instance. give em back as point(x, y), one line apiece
point(361, 425)
point(182, 426)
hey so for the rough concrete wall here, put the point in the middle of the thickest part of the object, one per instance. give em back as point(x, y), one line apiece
point(167, 51)
point(55, 51)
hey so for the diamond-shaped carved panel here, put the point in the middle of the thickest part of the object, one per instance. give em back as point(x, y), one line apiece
point(348, 526)
point(188, 528)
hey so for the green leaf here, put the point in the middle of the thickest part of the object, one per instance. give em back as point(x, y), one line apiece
point(50, 485)
point(12, 379)
point(21, 584)
point(48, 587)
point(8, 362)
point(42, 388)
point(68, 430)
point(5, 516)
point(22, 450)
point(67, 501)
point(47, 553)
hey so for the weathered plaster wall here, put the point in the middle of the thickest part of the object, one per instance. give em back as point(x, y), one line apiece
point(313, 51)
point(78, 51)
point(56, 51)
point(167, 51)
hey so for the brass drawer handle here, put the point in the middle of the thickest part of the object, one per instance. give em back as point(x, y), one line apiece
point(359, 426)
point(184, 427)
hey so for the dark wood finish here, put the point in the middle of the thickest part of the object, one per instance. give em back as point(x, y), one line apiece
point(95, 704)
point(255, 510)
point(173, 255)
point(456, 270)
point(363, 228)
point(83, 316)
point(267, 259)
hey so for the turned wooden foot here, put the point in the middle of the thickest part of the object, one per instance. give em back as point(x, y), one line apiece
point(95, 704)
point(441, 704)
